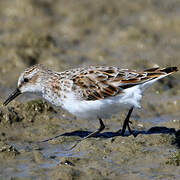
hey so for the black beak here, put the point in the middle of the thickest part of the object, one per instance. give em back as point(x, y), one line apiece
point(12, 96)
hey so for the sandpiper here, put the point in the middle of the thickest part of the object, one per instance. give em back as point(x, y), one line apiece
point(90, 92)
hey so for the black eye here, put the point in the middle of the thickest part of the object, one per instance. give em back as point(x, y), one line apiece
point(26, 80)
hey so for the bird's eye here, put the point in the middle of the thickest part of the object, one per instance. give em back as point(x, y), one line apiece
point(26, 80)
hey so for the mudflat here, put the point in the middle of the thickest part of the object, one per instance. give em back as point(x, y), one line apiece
point(68, 34)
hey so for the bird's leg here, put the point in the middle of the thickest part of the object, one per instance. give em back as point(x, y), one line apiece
point(126, 123)
point(101, 128)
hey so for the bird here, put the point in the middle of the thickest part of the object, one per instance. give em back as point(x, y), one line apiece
point(90, 92)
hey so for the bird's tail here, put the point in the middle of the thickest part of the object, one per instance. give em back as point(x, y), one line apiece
point(166, 71)
point(153, 74)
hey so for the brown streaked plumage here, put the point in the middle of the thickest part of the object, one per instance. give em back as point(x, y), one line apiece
point(101, 82)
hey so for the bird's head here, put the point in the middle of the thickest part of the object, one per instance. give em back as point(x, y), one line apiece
point(29, 81)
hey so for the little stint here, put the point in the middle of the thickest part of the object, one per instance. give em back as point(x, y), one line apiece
point(90, 92)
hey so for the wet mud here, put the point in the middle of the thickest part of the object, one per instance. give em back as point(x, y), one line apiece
point(62, 35)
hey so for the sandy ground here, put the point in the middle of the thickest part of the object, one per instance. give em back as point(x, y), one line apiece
point(65, 34)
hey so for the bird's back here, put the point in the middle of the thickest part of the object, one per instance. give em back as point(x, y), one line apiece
point(99, 82)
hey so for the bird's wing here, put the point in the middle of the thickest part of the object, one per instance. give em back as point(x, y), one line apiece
point(101, 82)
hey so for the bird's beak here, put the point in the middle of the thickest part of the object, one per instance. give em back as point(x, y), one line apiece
point(12, 96)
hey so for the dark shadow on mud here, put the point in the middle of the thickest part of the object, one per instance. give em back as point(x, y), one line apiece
point(153, 130)
point(177, 138)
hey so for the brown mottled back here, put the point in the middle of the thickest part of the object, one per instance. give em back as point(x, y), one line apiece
point(101, 82)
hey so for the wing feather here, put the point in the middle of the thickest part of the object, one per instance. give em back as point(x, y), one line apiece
point(97, 83)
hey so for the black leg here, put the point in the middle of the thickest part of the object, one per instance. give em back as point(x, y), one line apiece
point(101, 128)
point(126, 123)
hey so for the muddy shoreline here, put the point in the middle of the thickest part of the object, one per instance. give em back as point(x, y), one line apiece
point(63, 35)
